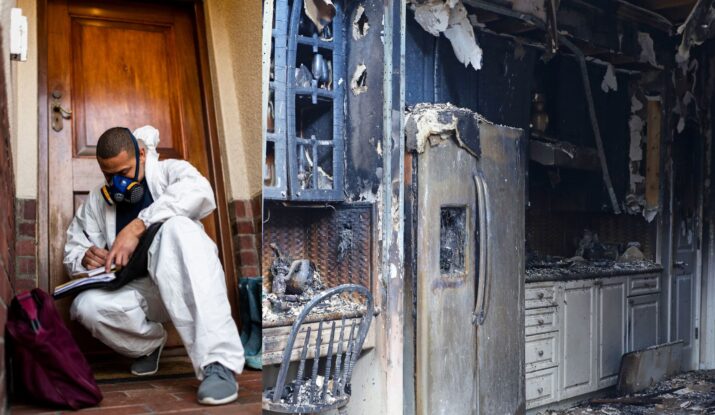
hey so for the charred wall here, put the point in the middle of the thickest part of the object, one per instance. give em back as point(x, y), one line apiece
point(363, 127)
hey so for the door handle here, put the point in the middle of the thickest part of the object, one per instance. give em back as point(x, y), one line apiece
point(59, 113)
point(480, 309)
point(681, 264)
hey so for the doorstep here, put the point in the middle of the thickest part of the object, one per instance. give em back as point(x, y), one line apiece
point(175, 395)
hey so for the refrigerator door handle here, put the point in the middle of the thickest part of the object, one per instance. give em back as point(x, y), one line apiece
point(480, 310)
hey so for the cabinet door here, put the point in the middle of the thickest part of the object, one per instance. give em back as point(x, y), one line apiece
point(578, 334)
point(611, 329)
point(643, 312)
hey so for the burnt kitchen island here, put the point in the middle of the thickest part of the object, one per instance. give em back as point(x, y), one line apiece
point(580, 319)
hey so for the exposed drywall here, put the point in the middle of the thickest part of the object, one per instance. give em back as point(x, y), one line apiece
point(233, 31)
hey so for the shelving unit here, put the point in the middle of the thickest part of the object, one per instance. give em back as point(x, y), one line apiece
point(306, 147)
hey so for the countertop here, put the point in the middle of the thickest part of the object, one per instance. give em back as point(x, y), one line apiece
point(586, 270)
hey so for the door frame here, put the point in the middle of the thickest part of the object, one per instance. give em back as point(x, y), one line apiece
point(224, 242)
point(697, 278)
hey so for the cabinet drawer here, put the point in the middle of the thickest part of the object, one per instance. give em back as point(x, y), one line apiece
point(541, 387)
point(540, 320)
point(540, 296)
point(643, 284)
point(540, 352)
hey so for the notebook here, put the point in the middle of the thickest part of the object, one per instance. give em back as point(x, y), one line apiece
point(97, 278)
point(94, 277)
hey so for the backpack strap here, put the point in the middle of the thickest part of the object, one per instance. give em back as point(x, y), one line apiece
point(27, 302)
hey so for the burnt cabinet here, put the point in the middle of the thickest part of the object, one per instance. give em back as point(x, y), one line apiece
point(304, 146)
point(578, 331)
point(643, 315)
point(611, 294)
point(579, 322)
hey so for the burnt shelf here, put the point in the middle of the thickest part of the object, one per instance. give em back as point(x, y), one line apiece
point(563, 154)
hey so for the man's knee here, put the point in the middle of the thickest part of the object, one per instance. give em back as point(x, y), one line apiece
point(86, 308)
point(181, 231)
point(178, 225)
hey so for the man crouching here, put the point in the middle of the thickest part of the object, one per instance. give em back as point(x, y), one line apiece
point(185, 283)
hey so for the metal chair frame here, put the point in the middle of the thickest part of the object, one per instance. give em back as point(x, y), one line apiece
point(322, 399)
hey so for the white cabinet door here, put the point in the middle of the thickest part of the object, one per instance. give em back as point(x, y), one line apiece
point(611, 329)
point(643, 312)
point(578, 331)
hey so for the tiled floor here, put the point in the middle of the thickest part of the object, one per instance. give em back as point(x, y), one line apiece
point(165, 396)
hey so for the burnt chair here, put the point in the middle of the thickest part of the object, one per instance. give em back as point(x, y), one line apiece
point(305, 393)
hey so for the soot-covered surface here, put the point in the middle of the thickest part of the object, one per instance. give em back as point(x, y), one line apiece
point(572, 269)
point(687, 393)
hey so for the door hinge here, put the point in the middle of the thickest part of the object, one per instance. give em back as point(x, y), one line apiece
point(696, 333)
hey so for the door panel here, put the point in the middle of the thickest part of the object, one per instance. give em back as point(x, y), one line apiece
point(643, 318)
point(578, 339)
point(611, 330)
point(500, 339)
point(685, 274)
point(684, 310)
point(119, 64)
point(132, 66)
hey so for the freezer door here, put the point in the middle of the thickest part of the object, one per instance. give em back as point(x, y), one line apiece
point(470, 343)
point(500, 339)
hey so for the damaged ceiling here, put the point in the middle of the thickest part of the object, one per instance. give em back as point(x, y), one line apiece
point(626, 44)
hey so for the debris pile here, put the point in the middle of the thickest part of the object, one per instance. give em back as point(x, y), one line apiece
point(294, 284)
point(592, 259)
point(688, 393)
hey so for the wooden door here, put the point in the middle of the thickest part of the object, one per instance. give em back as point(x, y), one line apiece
point(122, 64)
point(611, 329)
point(578, 334)
point(685, 275)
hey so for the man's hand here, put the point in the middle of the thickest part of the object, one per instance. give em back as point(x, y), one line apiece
point(125, 244)
point(94, 257)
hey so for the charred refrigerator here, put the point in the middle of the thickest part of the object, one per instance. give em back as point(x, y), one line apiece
point(468, 196)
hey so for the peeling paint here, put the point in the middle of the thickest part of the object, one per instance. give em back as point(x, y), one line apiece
point(636, 124)
point(635, 104)
point(647, 51)
point(450, 17)
point(609, 83)
point(461, 34)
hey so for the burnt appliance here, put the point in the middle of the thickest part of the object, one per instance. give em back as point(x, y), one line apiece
point(468, 189)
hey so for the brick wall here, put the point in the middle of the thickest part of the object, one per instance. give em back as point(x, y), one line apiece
point(25, 244)
point(7, 228)
point(246, 229)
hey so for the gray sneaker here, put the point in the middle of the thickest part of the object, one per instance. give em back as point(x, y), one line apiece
point(148, 365)
point(219, 385)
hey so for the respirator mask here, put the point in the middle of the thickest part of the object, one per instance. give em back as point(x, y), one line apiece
point(125, 189)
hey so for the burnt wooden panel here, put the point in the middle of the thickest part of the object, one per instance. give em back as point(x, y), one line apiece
point(132, 66)
point(316, 234)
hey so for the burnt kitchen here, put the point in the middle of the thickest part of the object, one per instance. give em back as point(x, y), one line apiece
point(523, 189)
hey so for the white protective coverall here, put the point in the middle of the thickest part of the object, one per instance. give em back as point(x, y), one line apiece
point(186, 283)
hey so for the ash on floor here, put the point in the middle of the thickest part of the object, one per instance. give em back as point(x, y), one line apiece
point(687, 393)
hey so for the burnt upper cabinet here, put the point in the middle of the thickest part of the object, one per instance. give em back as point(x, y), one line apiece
point(305, 138)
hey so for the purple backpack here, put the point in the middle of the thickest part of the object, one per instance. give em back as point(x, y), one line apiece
point(47, 365)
